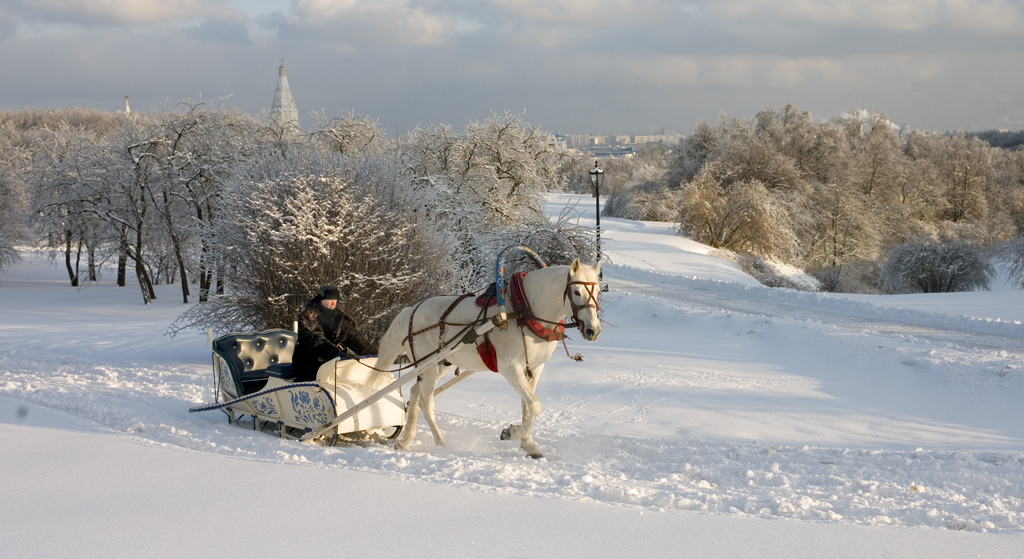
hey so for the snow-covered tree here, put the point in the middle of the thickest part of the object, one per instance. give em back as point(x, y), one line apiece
point(935, 268)
point(431, 152)
point(746, 154)
point(691, 154)
point(811, 147)
point(202, 149)
point(961, 167)
point(842, 227)
point(1015, 261)
point(1007, 191)
point(650, 201)
point(845, 231)
point(351, 135)
point(14, 165)
point(505, 165)
point(634, 187)
point(485, 187)
point(309, 221)
point(125, 198)
point(743, 217)
point(850, 188)
point(69, 169)
point(703, 209)
point(966, 168)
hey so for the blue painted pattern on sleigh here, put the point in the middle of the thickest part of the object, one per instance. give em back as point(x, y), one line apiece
point(253, 372)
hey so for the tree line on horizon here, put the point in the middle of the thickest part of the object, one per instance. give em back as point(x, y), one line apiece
point(255, 217)
point(837, 198)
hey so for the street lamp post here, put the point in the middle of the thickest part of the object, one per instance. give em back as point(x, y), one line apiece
point(596, 178)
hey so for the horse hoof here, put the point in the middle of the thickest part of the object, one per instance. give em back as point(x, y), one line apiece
point(506, 433)
point(535, 455)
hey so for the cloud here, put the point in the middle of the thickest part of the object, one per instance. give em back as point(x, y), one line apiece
point(588, 25)
point(370, 22)
point(7, 26)
point(899, 15)
point(124, 12)
point(559, 11)
point(220, 31)
point(573, 64)
point(759, 72)
point(986, 16)
point(574, 13)
point(887, 14)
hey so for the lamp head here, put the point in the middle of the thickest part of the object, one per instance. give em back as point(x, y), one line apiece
point(596, 176)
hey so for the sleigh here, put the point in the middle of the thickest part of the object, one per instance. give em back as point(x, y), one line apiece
point(254, 378)
point(351, 399)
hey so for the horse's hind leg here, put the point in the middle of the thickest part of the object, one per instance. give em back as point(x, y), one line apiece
point(421, 395)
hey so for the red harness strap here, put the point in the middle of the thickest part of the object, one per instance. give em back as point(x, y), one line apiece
point(521, 307)
point(487, 354)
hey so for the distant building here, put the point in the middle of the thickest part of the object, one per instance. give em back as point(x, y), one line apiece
point(656, 139)
point(619, 143)
point(283, 111)
point(578, 140)
point(612, 151)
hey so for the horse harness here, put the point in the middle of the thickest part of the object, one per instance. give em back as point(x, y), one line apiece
point(439, 325)
point(523, 313)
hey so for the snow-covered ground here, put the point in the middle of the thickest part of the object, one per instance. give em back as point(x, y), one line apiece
point(713, 418)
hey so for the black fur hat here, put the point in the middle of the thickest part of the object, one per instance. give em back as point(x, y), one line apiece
point(330, 292)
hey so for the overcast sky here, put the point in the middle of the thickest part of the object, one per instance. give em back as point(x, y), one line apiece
point(574, 66)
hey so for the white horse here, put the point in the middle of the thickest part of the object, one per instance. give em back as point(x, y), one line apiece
point(520, 350)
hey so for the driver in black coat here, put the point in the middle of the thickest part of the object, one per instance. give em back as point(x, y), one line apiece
point(325, 332)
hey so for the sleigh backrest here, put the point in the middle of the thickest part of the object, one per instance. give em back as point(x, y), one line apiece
point(252, 357)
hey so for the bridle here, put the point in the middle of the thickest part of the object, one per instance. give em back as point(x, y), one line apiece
point(592, 292)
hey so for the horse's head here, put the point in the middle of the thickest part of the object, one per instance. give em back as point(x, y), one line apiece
point(581, 290)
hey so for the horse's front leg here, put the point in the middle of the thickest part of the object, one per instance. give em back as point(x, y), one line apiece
point(427, 384)
point(531, 409)
point(532, 378)
point(411, 412)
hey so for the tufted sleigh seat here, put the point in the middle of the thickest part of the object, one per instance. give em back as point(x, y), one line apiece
point(254, 357)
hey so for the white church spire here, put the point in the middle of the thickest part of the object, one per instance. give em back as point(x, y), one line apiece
point(283, 111)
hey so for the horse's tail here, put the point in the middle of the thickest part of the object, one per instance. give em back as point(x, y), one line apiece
point(392, 343)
